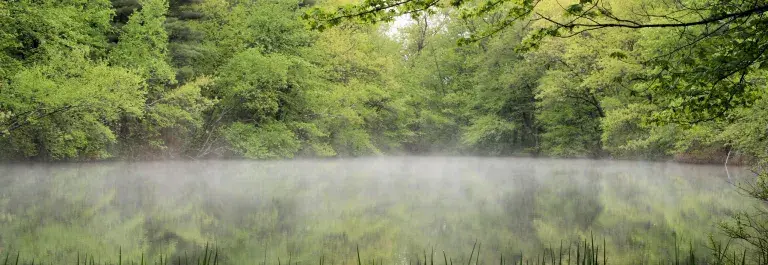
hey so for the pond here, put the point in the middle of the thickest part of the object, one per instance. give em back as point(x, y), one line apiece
point(394, 209)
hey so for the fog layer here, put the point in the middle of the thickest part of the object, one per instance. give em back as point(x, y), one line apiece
point(392, 208)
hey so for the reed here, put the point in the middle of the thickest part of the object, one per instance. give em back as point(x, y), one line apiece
point(587, 252)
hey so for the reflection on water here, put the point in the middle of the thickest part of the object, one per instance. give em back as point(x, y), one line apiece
point(393, 208)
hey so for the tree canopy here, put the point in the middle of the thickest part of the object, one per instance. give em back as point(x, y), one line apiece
point(145, 79)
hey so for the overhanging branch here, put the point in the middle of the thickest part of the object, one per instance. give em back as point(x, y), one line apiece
point(637, 25)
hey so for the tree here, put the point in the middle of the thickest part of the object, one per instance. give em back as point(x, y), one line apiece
point(57, 102)
point(185, 39)
point(143, 44)
point(35, 32)
point(504, 117)
point(360, 104)
point(67, 109)
point(172, 113)
point(706, 86)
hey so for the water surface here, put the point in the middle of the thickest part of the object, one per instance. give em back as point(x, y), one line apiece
point(392, 208)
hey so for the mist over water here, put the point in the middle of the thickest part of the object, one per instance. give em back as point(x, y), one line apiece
point(393, 208)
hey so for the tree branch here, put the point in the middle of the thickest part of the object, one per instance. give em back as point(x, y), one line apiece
point(636, 25)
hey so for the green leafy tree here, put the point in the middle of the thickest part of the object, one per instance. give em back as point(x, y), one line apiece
point(36, 32)
point(259, 90)
point(692, 81)
point(67, 109)
point(173, 112)
point(57, 102)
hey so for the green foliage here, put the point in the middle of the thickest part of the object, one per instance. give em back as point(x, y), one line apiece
point(143, 44)
point(40, 31)
point(66, 110)
point(143, 79)
point(485, 132)
point(747, 131)
point(268, 141)
point(259, 86)
point(231, 27)
point(627, 133)
point(192, 73)
point(361, 105)
point(714, 77)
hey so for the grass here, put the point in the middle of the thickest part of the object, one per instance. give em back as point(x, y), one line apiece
point(585, 252)
point(209, 256)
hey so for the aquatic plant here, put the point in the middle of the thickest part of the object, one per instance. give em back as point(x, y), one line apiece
point(583, 252)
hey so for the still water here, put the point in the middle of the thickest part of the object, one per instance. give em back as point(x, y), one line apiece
point(393, 209)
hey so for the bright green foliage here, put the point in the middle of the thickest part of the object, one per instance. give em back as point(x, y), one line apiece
point(439, 76)
point(41, 31)
point(362, 107)
point(262, 90)
point(713, 77)
point(747, 132)
point(212, 78)
point(570, 116)
point(65, 110)
point(695, 66)
point(176, 116)
point(271, 140)
point(173, 112)
point(143, 44)
point(485, 132)
point(341, 97)
point(705, 67)
point(56, 101)
point(505, 103)
point(259, 87)
point(231, 27)
point(626, 132)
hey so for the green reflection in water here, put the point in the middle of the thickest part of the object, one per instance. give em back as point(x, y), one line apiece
point(393, 208)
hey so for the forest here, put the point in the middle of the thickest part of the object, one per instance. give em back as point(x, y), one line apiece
point(84, 80)
point(452, 117)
